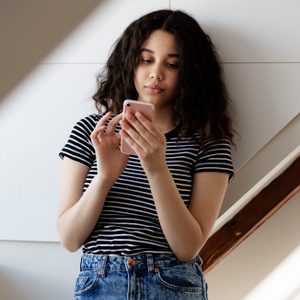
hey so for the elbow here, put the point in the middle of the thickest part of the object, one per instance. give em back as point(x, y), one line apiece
point(188, 251)
point(186, 257)
point(68, 242)
point(69, 245)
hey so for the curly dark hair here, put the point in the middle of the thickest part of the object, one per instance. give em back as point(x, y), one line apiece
point(201, 104)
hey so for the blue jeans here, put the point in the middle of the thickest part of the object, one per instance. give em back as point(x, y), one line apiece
point(140, 277)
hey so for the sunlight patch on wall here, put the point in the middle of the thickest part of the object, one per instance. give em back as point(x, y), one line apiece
point(281, 284)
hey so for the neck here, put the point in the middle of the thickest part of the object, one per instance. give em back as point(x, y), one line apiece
point(163, 119)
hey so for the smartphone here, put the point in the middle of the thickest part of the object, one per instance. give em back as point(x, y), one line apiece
point(133, 106)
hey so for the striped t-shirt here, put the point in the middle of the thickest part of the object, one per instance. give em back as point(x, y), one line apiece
point(128, 224)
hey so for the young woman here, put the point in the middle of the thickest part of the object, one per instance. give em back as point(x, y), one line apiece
point(142, 219)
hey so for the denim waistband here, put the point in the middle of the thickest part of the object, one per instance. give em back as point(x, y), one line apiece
point(143, 262)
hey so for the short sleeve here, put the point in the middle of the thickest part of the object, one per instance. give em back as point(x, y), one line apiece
point(215, 156)
point(79, 146)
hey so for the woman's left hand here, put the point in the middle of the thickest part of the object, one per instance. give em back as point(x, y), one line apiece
point(146, 139)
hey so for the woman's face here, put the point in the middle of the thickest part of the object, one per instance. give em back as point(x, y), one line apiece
point(157, 71)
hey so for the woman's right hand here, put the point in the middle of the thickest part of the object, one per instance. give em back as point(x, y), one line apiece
point(110, 160)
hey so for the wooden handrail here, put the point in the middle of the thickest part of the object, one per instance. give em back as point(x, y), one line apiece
point(251, 216)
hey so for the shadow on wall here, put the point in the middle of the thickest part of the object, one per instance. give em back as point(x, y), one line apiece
point(16, 284)
point(258, 268)
point(37, 271)
point(29, 30)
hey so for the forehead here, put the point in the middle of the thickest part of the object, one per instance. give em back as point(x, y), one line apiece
point(160, 41)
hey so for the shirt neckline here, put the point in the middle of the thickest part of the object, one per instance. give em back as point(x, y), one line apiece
point(172, 133)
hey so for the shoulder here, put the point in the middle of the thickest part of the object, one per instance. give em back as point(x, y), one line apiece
point(204, 144)
point(215, 149)
point(215, 155)
point(220, 144)
point(86, 124)
point(79, 146)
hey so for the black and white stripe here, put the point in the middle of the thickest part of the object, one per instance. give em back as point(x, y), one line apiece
point(129, 223)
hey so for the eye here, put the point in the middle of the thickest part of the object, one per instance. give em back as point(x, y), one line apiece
point(146, 61)
point(173, 65)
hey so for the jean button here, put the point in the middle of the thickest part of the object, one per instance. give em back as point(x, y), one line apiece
point(131, 262)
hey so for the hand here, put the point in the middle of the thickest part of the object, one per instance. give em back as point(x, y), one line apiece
point(146, 139)
point(110, 160)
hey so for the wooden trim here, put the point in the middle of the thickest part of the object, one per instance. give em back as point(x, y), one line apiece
point(251, 216)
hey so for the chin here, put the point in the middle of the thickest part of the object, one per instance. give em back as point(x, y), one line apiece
point(150, 99)
point(146, 100)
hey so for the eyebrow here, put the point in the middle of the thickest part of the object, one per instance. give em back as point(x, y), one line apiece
point(152, 52)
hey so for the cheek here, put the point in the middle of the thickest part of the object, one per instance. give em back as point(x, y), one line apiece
point(173, 80)
point(138, 76)
point(173, 85)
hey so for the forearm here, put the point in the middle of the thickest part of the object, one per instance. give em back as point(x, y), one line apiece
point(76, 223)
point(182, 231)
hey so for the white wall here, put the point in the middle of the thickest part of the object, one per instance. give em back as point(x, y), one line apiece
point(259, 46)
point(36, 119)
point(37, 271)
point(260, 165)
point(30, 29)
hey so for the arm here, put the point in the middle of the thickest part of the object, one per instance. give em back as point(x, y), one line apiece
point(78, 212)
point(186, 229)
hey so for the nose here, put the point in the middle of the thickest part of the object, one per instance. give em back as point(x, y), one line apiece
point(156, 73)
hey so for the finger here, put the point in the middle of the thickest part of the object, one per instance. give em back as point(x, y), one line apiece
point(97, 135)
point(104, 119)
point(148, 133)
point(130, 141)
point(149, 127)
point(136, 124)
point(111, 127)
point(100, 126)
point(133, 137)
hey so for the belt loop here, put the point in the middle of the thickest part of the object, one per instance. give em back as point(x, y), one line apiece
point(81, 262)
point(102, 265)
point(199, 259)
point(150, 263)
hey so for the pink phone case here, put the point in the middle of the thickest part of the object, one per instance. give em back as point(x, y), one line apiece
point(147, 109)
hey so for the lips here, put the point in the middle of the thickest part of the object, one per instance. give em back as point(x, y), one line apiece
point(154, 88)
